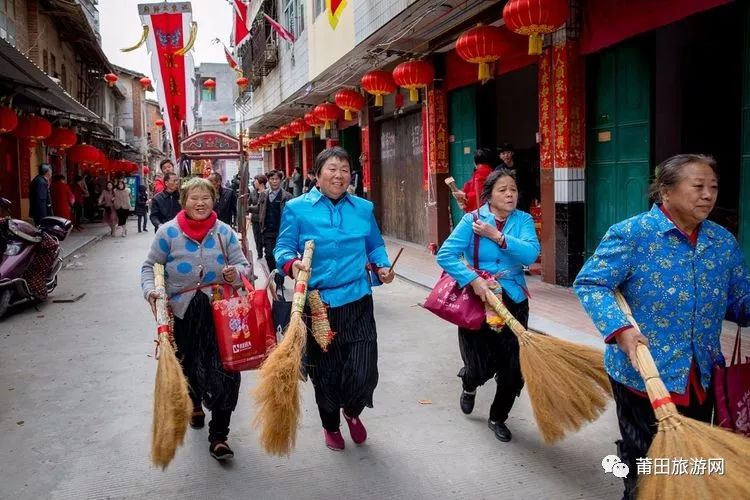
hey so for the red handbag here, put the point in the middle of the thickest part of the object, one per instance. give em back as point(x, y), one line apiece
point(460, 306)
point(243, 329)
point(731, 386)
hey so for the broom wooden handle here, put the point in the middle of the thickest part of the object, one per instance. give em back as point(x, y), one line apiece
point(300, 286)
point(162, 308)
point(451, 182)
point(510, 320)
point(657, 391)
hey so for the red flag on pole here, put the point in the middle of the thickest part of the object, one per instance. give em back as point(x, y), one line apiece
point(240, 31)
point(279, 29)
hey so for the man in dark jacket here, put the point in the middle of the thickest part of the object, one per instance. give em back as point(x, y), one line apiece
point(226, 201)
point(270, 206)
point(166, 205)
point(40, 200)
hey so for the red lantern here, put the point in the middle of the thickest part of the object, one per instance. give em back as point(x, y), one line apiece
point(300, 128)
point(223, 118)
point(313, 121)
point(413, 75)
point(145, 82)
point(327, 113)
point(146, 170)
point(482, 45)
point(8, 120)
point(61, 138)
point(111, 79)
point(535, 18)
point(379, 83)
point(349, 100)
point(85, 154)
point(159, 123)
point(287, 134)
point(209, 84)
point(242, 83)
point(33, 128)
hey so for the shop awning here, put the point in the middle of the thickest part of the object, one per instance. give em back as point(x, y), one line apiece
point(22, 77)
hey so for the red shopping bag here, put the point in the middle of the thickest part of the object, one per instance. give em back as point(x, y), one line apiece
point(241, 328)
point(731, 386)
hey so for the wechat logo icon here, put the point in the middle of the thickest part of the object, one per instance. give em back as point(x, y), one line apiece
point(612, 464)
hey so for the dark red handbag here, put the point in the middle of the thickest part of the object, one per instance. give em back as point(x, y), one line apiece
point(457, 305)
point(731, 386)
point(243, 328)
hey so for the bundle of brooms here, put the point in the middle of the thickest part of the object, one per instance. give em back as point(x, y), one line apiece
point(277, 395)
point(172, 405)
point(566, 381)
point(680, 437)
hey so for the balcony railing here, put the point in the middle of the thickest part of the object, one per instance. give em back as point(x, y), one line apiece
point(261, 55)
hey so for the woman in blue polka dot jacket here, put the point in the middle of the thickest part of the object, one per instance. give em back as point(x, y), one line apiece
point(189, 249)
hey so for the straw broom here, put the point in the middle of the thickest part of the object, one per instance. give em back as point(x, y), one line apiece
point(172, 405)
point(567, 383)
point(277, 394)
point(680, 437)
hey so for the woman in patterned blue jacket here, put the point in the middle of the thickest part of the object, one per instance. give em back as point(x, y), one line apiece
point(506, 242)
point(347, 239)
point(681, 275)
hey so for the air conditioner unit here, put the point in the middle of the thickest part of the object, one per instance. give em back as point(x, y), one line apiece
point(120, 134)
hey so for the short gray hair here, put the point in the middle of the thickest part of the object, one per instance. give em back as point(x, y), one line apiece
point(45, 169)
point(669, 172)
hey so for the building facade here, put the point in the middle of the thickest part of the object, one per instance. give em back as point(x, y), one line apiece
point(613, 94)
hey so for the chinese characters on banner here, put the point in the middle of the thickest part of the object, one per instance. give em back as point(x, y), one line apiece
point(435, 129)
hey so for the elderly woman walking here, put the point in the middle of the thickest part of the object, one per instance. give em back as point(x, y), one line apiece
point(347, 239)
point(189, 246)
point(500, 240)
point(681, 274)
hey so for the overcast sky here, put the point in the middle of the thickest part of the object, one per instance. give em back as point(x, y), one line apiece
point(120, 26)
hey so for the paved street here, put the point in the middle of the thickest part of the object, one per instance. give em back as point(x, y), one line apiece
point(76, 394)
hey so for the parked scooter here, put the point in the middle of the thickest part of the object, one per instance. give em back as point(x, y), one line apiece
point(22, 244)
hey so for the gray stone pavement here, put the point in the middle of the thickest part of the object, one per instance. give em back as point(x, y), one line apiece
point(76, 388)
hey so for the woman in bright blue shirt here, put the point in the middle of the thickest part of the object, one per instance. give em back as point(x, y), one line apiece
point(681, 274)
point(347, 240)
point(507, 242)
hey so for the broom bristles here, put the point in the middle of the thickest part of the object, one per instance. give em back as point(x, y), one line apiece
point(172, 406)
point(277, 394)
point(567, 384)
point(683, 438)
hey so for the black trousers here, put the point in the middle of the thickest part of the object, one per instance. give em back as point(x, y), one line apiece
point(346, 375)
point(487, 354)
point(142, 222)
point(198, 352)
point(638, 425)
point(269, 244)
point(258, 241)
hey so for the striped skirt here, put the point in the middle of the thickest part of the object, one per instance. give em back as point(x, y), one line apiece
point(347, 374)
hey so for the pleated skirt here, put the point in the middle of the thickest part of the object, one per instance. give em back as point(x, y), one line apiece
point(347, 374)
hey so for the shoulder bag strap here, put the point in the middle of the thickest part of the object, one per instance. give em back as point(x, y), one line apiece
point(475, 215)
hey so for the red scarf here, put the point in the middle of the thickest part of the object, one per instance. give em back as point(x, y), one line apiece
point(195, 229)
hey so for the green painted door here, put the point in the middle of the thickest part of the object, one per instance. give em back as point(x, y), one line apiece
point(462, 119)
point(619, 137)
point(744, 207)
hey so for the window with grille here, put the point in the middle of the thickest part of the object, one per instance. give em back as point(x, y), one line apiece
point(294, 16)
point(319, 6)
point(207, 94)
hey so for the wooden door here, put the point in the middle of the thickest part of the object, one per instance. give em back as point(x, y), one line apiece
point(462, 124)
point(403, 208)
point(619, 137)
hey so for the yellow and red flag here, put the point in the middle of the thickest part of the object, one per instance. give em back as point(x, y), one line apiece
point(334, 8)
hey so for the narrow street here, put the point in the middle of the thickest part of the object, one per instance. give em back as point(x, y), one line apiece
point(76, 395)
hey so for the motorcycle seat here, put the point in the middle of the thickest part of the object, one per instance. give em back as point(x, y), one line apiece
point(24, 231)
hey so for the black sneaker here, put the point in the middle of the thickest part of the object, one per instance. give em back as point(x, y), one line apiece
point(501, 430)
point(220, 450)
point(197, 418)
point(467, 401)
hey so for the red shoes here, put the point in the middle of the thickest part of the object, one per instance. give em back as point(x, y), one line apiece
point(356, 429)
point(334, 440)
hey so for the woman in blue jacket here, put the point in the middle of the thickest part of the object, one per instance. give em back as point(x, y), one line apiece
point(681, 274)
point(347, 239)
point(506, 242)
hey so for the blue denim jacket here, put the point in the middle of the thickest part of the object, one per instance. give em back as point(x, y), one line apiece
point(522, 249)
point(679, 294)
point(346, 238)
